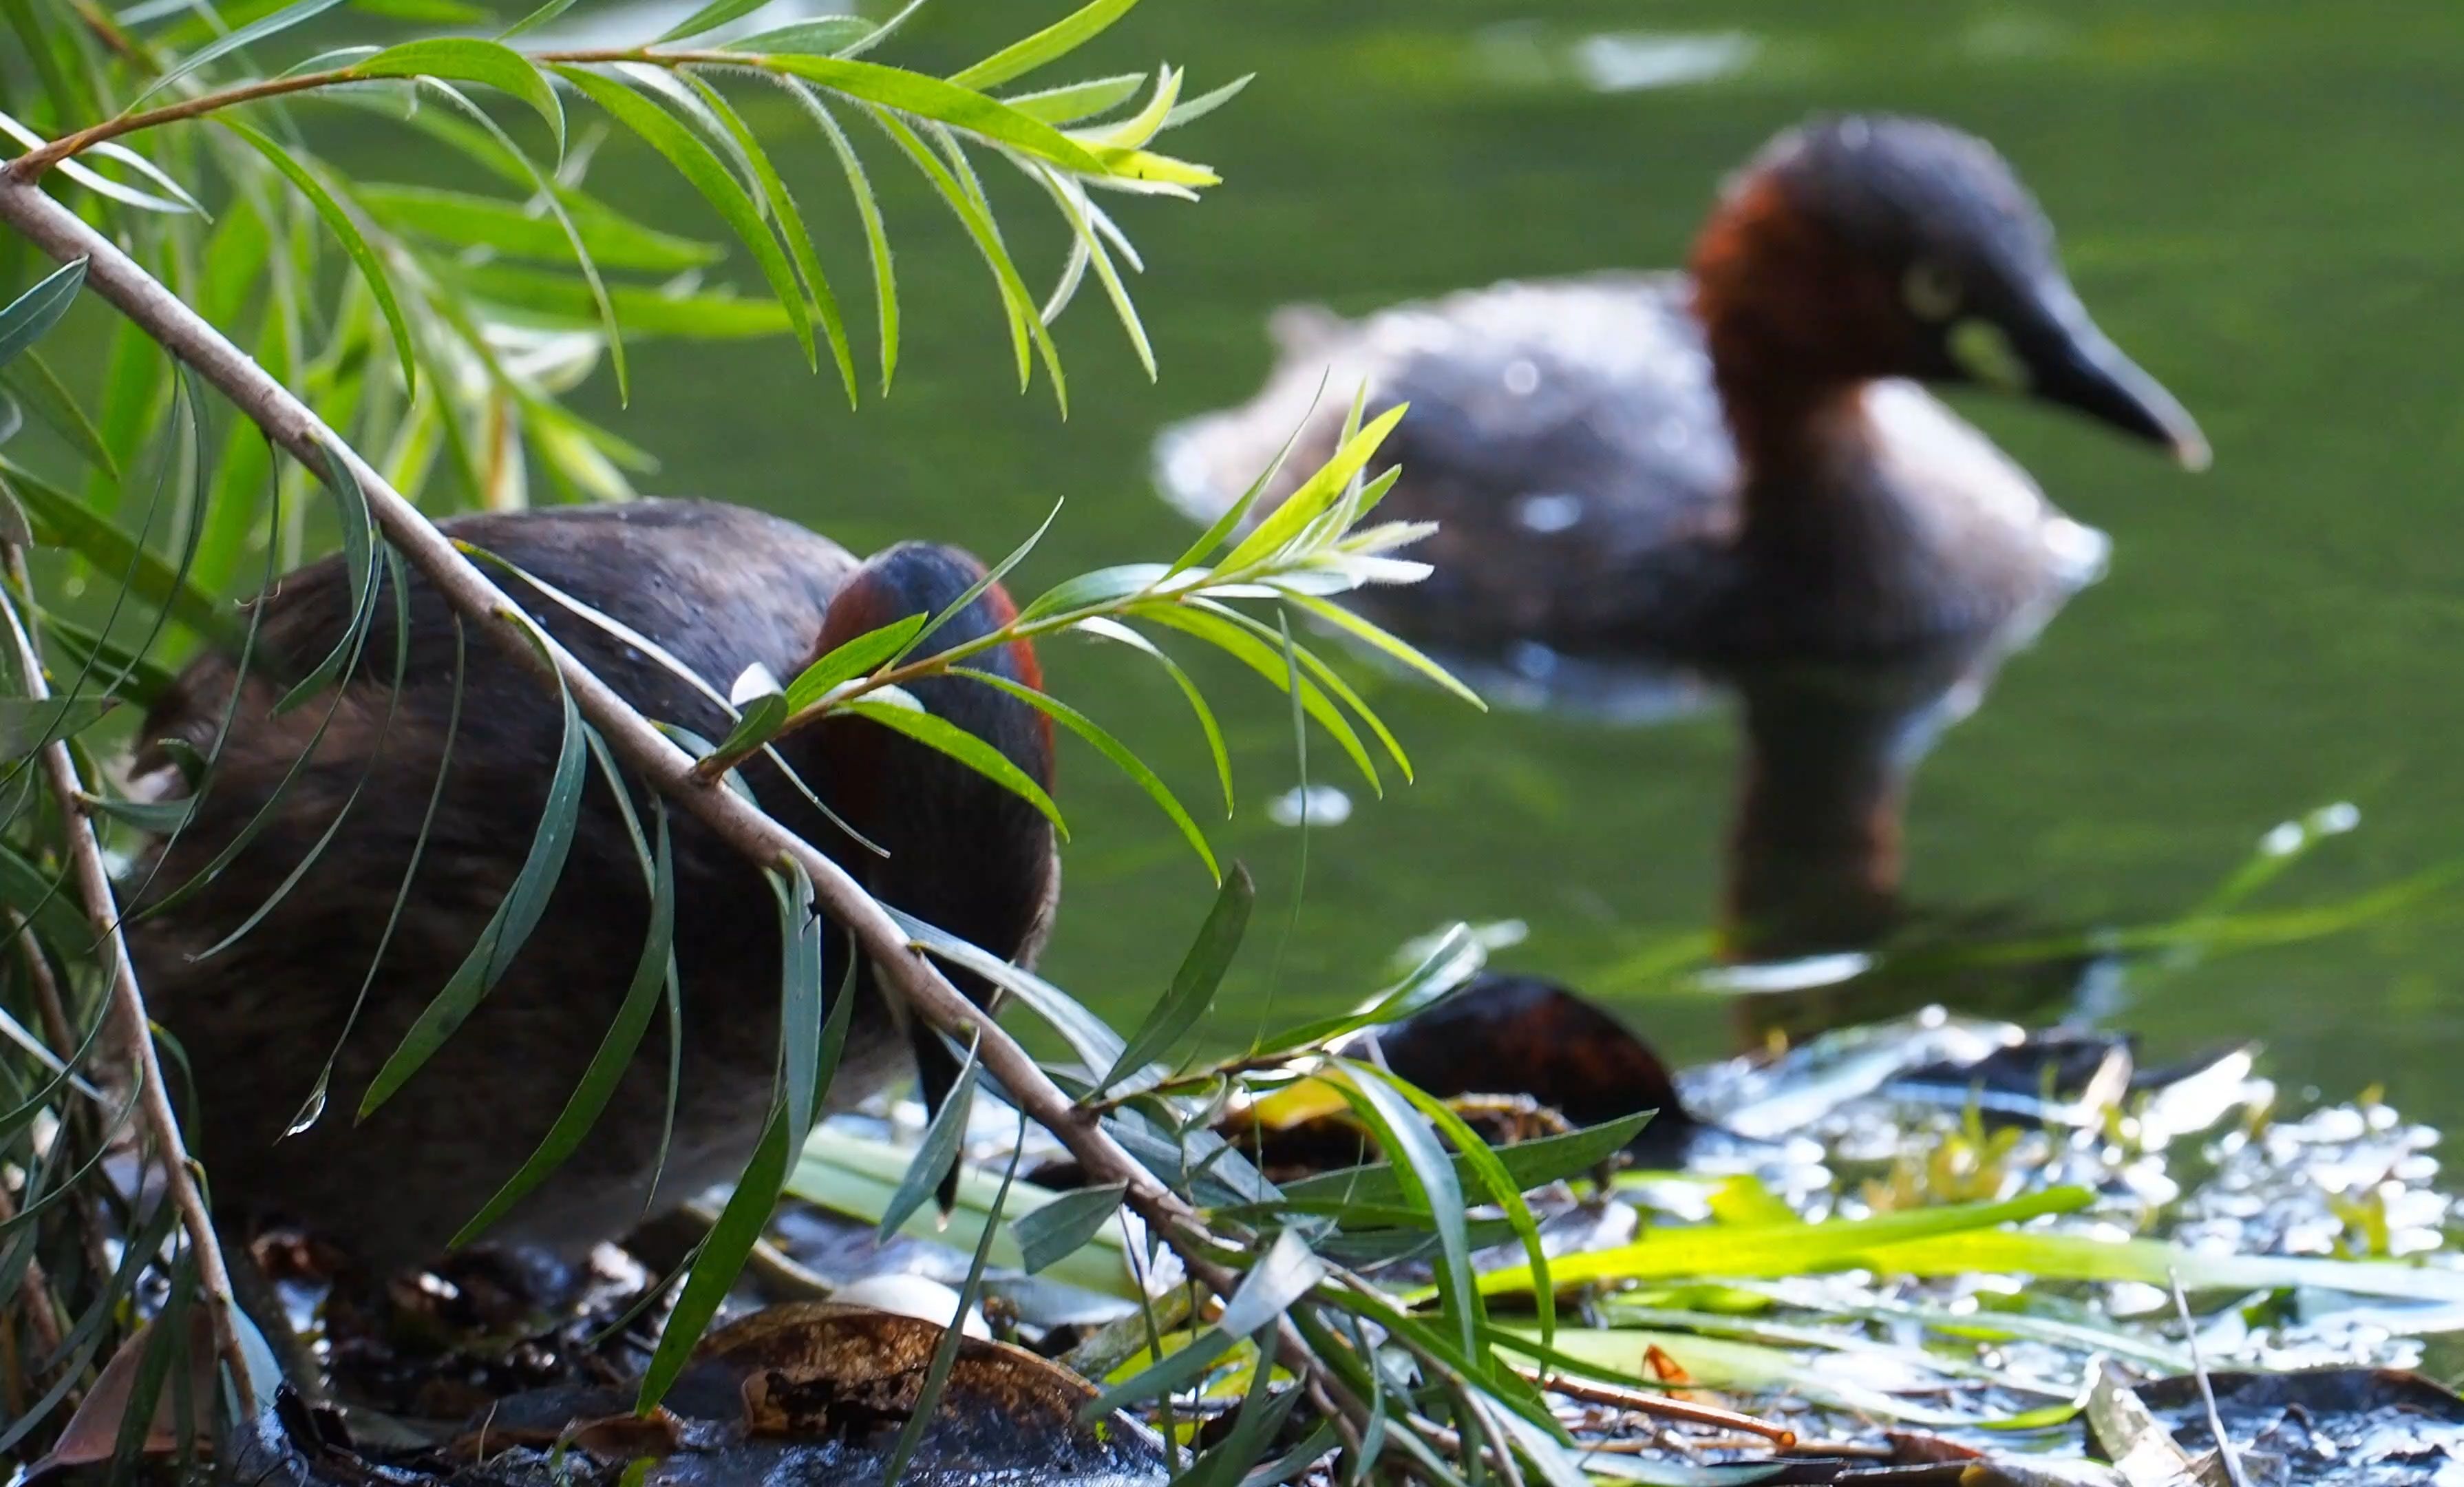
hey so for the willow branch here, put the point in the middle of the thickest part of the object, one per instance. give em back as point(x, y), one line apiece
point(35, 162)
point(291, 424)
point(128, 1007)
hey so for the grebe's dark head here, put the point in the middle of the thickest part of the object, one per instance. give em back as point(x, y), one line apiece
point(1863, 245)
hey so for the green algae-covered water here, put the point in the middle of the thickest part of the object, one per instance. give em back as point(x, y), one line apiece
point(2260, 201)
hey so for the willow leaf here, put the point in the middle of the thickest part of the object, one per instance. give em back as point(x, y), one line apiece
point(944, 102)
point(248, 35)
point(695, 160)
point(467, 60)
point(791, 224)
point(1049, 45)
point(506, 930)
point(337, 220)
point(955, 743)
point(1111, 748)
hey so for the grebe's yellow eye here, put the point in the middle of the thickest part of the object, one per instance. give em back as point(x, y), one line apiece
point(1984, 353)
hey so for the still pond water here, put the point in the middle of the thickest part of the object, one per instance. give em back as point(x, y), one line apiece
point(2260, 201)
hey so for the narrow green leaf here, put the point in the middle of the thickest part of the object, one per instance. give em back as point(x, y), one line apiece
point(140, 680)
point(1061, 1227)
point(358, 537)
point(850, 659)
point(1527, 1165)
point(1079, 99)
point(802, 996)
point(755, 726)
point(1282, 1277)
point(1221, 530)
point(615, 1052)
point(1451, 963)
point(248, 35)
point(50, 400)
point(1245, 648)
point(1325, 676)
point(1018, 307)
point(1505, 1189)
point(467, 60)
point(958, 743)
point(791, 224)
point(1428, 1182)
point(938, 1154)
point(1261, 1418)
point(337, 220)
point(945, 102)
point(823, 36)
point(27, 725)
point(1111, 748)
point(1139, 128)
point(992, 575)
point(467, 221)
point(1755, 1250)
point(721, 1258)
point(740, 1222)
point(61, 519)
point(1122, 634)
point(1078, 212)
point(1390, 645)
point(1321, 490)
point(531, 297)
point(1102, 586)
point(709, 17)
point(1195, 984)
point(885, 279)
point(1049, 45)
point(945, 1352)
point(515, 917)
point(1088, 1035)
point(1191, 110)
point(46, 901)
point(535, 20)
point(39, 308)
point(693, 160)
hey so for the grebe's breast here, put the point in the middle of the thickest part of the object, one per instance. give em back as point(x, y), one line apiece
point(1937, 539)
point(1564, 434)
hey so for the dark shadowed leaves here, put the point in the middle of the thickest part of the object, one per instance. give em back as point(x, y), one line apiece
point(1060, 1228)
point(38, 309)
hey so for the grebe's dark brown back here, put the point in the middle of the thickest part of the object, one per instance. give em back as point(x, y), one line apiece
point(1734, 472)
point(719, 588)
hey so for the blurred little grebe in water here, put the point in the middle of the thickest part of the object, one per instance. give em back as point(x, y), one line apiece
point(1733, 475)
point(719, 588)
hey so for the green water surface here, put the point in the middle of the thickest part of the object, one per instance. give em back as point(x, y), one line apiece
point(2261, 201)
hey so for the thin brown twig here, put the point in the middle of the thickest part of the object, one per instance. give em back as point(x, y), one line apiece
point(52, 1007)
point(1644, 1401)
point(128, 1005)
point(34, 1290)
point(291, 424)
point(35, 162)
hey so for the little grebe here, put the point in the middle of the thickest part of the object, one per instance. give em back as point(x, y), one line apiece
point(720, 589)
point(1733, 474)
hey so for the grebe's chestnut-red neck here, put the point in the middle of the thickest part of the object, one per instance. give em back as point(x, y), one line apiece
point(1860, 247)
point(955, 844)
